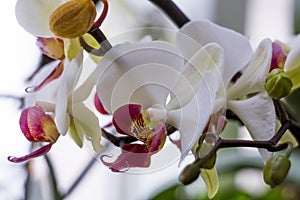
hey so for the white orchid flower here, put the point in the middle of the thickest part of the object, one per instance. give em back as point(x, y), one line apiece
point(63, 97)
point(256, 112)
point(135, 80)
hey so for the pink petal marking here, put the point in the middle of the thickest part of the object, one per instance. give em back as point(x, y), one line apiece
point(125, 115)
point(57, 71)
point(39, 152)
point(24, 124)
point(133, 155)
point(98, 105)
point(159, 138)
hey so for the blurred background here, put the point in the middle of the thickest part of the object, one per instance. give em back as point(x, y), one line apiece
point(239, 169)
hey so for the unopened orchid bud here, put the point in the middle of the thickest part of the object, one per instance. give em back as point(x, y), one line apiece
point(37, 126)
point(278, 84)
point(276, 169)
point(209, 162)
point(73, 19)
point(189, 174)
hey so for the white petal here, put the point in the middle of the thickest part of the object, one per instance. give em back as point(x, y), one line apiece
point(33, 15)
point(237, 48)
point(192, 118)
point(89, 123)
point(62, 118)
point(211, 58)
point(72, 71)
point(82, 92)
point(254, 76)
point(67, 84)
point(293, 58)
point(258, 115)
point(141, 73)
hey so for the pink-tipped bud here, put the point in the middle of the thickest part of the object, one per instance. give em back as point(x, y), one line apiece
point(38, 126)
point(278, 56)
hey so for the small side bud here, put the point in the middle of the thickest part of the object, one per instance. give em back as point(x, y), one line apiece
point(189, 174)
point(73, 18)
point(278, 84)
point(276, 169)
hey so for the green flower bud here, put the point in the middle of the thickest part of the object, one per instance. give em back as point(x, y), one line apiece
point(276, 169)
point(189, 174)
point(278, 84)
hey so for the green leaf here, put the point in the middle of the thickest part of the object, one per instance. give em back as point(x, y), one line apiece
point(210, 177)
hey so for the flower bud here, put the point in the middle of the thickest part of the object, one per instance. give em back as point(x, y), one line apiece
point(189, 174)
point(73, 18)
point(276, 169)
point(210, 162)
point(37, 126)
point(278, 84)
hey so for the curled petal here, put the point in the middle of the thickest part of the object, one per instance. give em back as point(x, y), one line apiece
point(254, 77)
point(292, 60)
point(57, 71)
point(133, 155)
point(39, 152)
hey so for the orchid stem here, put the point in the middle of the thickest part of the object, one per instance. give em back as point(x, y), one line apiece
point(173, 11)
point(270, 145)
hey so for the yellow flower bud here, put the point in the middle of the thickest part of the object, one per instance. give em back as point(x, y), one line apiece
point(278, 84)
point(73, 18)
point(276, 169)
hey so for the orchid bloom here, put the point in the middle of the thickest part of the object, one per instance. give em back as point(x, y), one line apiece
point(57, 24)
point(134, 82)
point(257, 112)
point(65, 99)
point(37, 126)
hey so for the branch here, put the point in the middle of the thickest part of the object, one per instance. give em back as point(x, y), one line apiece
point(172, 10)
